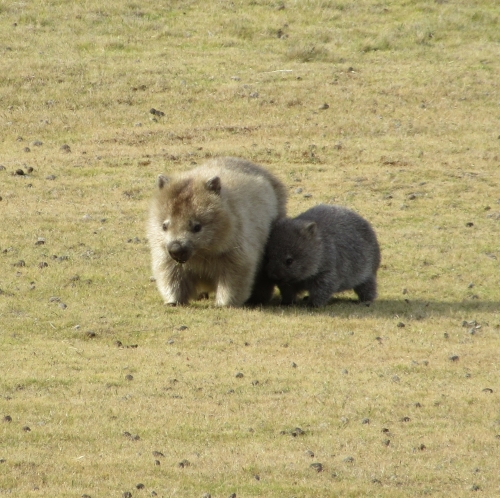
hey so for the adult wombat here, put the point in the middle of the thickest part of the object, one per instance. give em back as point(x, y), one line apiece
point(208, 228)
point(325, 250)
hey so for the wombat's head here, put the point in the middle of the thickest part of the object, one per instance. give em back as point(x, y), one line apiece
point(293, 251)
point(189, 216)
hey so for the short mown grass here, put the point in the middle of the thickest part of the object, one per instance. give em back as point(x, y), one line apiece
point(102, 388)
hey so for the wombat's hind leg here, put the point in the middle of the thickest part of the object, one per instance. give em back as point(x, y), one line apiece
point(367, 291)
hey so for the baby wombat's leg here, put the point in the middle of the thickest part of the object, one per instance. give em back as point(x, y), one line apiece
point(288, 294)
point(367, 291)
point(321, 290)
point(263, 289)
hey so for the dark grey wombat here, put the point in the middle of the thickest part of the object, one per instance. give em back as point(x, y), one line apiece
point(325, 250)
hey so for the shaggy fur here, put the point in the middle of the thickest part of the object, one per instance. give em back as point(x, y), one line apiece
point(325, 250)
point(208, 229)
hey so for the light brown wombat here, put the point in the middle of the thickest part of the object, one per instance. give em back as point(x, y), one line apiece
point(208, 228)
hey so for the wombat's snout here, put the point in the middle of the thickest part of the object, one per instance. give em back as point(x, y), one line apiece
point(179, 252)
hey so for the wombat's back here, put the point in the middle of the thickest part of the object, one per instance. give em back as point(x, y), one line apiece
point(248, 168)
point(355, 242)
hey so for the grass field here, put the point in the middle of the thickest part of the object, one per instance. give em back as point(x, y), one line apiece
point(391, 109)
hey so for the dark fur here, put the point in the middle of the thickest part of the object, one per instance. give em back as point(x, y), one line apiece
point(325, 250)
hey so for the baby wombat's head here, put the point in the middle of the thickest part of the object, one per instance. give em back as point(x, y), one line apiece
point(293, 251)
point(189, 214)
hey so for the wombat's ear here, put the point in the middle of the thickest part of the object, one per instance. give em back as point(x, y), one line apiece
point(309, 229)
point(213, 184)
point(161, 181)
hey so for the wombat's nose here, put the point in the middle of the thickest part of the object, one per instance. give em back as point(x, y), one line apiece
point(179, 252)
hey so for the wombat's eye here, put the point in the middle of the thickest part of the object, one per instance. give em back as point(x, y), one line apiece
point(196, 227)
point(165, 226)
point(288, 261)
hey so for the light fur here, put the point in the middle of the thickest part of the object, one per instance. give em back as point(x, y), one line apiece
point(208, 228)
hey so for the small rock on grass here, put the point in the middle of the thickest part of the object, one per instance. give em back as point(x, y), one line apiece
point(132, 437)
point(156, 112)
point(318, 467)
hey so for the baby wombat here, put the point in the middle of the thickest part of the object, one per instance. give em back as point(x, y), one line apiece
point(325, 250)
point(208, 228)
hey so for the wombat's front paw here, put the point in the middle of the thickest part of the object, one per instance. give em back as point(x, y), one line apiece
point(316, 301)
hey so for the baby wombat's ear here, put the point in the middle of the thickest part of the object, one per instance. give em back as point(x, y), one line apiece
point(309, 229)
point(213, 184)
point(161, 181)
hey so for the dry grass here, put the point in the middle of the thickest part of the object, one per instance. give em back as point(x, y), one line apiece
point(410, 139)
